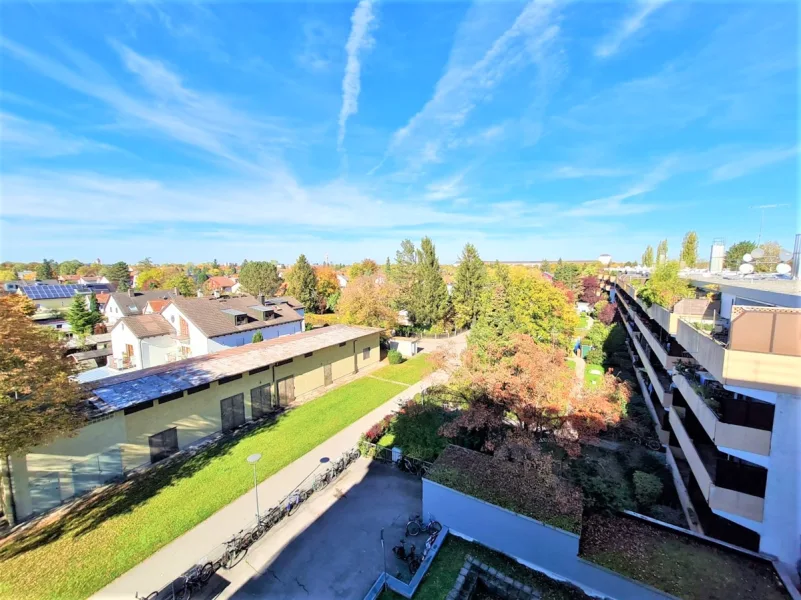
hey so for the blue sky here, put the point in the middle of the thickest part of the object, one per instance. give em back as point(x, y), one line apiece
point(192, 131)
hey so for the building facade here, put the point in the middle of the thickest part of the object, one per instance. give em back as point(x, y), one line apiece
point(144, 416)
point(721, 374)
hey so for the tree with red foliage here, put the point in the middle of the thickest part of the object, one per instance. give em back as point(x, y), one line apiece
point(590, 289)
point(607, 314)
point(532, 384)
point(569, 294)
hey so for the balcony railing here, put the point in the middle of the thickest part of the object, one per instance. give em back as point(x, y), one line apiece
point(760, 351)
point(727, 435)
point(714, 475)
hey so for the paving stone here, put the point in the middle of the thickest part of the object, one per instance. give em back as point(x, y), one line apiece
point(527, 589)
point(484, 567)
point(464, 571)
point(492, 571)
point(518, 585)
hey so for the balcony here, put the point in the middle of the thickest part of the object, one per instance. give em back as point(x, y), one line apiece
point(712, 414)
point(660, 382)
point(658, 414)
point(759, 350)
point(717, 477)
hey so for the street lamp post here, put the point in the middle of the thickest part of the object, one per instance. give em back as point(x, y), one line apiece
point(253, 459)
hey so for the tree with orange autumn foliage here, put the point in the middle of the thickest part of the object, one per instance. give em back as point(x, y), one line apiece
point(528, 388)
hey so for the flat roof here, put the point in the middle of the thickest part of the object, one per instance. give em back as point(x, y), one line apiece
point(771, 290)
point(128, 389)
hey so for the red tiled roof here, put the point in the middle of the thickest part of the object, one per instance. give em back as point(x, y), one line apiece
point(158, 305)
point(219, 282)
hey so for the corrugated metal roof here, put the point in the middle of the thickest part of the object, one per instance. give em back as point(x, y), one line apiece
point(129, 389)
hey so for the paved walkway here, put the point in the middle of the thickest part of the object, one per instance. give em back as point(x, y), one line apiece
point(176, 557)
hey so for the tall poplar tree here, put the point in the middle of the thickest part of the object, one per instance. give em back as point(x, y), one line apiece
point(648, 257)
point(689, 249)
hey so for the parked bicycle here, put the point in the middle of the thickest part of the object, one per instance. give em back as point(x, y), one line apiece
point(235, 550)
point(410, 557)
point(194, 579)
point(415, 526)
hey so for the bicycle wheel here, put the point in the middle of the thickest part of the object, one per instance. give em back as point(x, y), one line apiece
point(654, 445)
point(232, 557)
point(319, 483)
point(434, 527)
point(258, 531)
point(412, 528)
point(182, 590)
point(206, 571)
point(414, 564)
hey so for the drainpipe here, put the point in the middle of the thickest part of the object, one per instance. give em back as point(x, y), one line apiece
point(797, 257)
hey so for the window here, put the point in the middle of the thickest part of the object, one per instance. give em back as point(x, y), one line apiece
point(232, 411)
point(230, 378)
point(283, 362)
point(163, 444)
point(366, 353)
point(137, 407)
point(259, 370)
point(308, 355)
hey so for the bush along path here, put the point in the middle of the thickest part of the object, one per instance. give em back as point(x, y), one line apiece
point(111, 533)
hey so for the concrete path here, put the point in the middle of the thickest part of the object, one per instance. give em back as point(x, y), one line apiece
point(176, 557)
point(581, 365)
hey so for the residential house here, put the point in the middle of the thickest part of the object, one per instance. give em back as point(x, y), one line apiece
point(342, 280)
point(69, 278)
point(196, 326)
point(53, 297)
point(142, 417)
point(220, 284)
point(87, 279)
point(126, 304)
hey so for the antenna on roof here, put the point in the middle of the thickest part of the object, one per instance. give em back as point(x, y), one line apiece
point(764, 207)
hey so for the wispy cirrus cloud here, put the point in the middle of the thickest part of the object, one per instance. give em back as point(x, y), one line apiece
point(753, 161)
point(469, 79)
point(574, 172)
point(360, 40)
point(628, 27)
point(446, 189)
point(25, 138)
point(165, 106)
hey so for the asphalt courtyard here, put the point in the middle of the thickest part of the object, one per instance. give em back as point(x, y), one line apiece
point(331, 547)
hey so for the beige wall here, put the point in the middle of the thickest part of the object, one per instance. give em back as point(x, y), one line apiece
point(195, 416)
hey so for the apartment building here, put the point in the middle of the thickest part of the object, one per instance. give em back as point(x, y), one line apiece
point(141, 417)
point(721, 374)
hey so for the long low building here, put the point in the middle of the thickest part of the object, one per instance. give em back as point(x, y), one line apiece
point(141, 417)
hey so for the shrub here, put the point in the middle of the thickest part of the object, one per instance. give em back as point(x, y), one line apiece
point(647, 488)
point(416, 430)
point(395, 357)
point(595, 356)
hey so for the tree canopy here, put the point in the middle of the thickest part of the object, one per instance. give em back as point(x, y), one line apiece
point(569, 275)
point(648, 257)
point(689, 249)
point(364, 302)
point(81, 318)
point(182, 282)
point(431, 302)
point(259, 277)
point(38, 400)
point(735, 253)
point(366, 267)
point(327, 288)
point(118, 273)
point(302, 283)
point(46, 269)
point(590, 289)
point(69, 267)
point(7, 275)
point(665, 287)
point(662, 252)
point(469, 286)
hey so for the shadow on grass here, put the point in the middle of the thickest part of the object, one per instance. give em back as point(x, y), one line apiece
point(89, 512)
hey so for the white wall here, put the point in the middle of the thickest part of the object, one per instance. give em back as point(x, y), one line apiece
point(198, 343)
point(155, 350)
point(246, 337)
point(120, 336)
point(781, 521)
point(112, 312)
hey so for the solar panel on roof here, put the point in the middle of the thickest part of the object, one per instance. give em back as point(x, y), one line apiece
point(48, 292)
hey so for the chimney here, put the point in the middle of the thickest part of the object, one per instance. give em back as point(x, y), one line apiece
point(175, 291)
point(261, 299)
point(130, 293)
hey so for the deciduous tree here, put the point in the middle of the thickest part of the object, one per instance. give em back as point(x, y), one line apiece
point(183, 283)
point(540, 309)
point(364, 302)
point(545, 266)
point(534, 385)
point(662, 252)
point(327, 288)
point(259, 277)
point(648, 257)
point(46, 269)
point(468, 289)
point(7, 275)
point(302, 283)
point(689, 249)
point(665, 287)
point(767, 264)
point(69, 267)
point(590, 289)
point(569, 275)
point(367, 267)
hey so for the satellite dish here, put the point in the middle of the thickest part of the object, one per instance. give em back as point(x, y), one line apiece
point(745, 268)
point(783, 268)
point(748, 258)
point(785, 256)
point(758, 253)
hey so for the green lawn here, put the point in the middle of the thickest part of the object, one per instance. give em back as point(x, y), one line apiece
point(442, 574)
point(78, 555)
point(409, 372)
point(592, 379)
point(584, 322)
